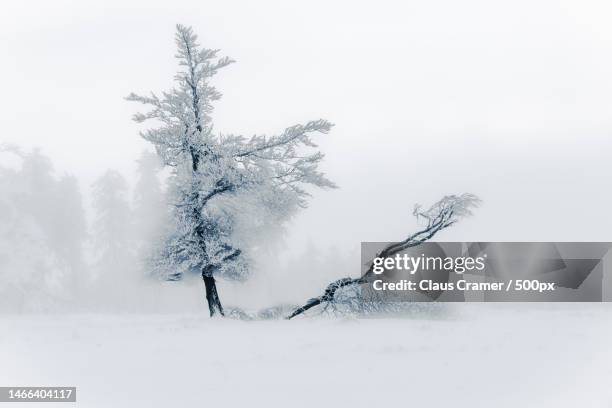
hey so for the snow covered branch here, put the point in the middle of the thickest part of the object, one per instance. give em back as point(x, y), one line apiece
point(439, 216)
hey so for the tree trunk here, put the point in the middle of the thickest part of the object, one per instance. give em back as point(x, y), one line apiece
point(212, 296)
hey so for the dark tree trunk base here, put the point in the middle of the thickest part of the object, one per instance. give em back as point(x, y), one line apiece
point(212, 296)
point(329, 294)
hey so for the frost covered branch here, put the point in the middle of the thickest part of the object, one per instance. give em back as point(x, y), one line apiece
point(439, 216)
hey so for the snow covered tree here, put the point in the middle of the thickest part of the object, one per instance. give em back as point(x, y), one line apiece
point(218, 178)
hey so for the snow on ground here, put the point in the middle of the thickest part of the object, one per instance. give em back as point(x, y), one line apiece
point(476, 355)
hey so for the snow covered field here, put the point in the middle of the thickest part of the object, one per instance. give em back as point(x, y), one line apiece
point(470, 355)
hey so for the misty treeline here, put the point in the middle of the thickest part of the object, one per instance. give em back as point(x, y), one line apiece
point(53, 253)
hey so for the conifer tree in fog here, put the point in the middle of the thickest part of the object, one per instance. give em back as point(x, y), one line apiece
point(70, 229)
point(112, 226)
point(42, 228)
point(225, 189)
point(150, 209)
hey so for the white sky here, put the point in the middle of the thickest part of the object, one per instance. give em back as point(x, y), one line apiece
point(511, 101)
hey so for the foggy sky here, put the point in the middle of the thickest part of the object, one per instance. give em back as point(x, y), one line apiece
point(510, 101)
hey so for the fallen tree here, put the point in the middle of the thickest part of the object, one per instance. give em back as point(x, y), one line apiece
point(439, 216)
